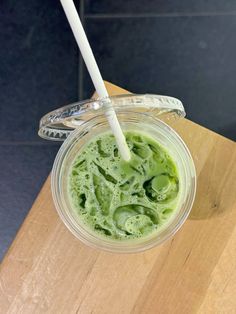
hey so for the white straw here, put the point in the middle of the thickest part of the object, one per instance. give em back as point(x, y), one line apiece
point(86, 51)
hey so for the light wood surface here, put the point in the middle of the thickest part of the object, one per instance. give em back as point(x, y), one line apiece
point(47, 270)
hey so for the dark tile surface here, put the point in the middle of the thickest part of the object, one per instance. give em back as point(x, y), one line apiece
point(191, 58)
point(158, 6)
point(38, 73)
point(38, 68)
point(24, 169)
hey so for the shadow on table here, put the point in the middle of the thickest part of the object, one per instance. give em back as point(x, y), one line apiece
point(215, 185)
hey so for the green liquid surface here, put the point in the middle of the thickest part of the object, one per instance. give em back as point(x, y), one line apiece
point(123, 200)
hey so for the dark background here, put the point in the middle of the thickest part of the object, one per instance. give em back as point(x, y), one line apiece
point(182, 48)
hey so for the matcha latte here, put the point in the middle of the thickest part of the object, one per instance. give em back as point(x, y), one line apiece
point(123, 200)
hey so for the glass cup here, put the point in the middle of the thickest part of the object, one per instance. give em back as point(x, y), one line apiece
point(134, 113)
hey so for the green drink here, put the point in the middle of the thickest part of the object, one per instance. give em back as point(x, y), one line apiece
point(123, 200)
point(110, 204)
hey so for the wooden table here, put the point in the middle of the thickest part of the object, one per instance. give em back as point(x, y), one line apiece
point(47, 270)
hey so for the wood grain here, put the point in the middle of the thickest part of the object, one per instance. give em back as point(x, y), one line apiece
point(47, 270)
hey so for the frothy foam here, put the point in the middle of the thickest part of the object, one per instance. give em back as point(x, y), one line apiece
point(123, 200)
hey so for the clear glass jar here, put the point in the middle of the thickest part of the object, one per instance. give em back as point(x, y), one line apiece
point(140, 117)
